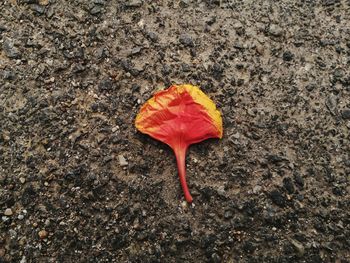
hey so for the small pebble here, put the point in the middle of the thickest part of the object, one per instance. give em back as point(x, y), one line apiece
point(43, 2)
point(133, 3)
point(22, 180)
point(228, 214)
point(20, 217)
point(257, 189)
point(96, 10)
point(346, 114)
point(13, 233)
point(9, 49)
point(43, 234)
point(275, 30)
point(236, 135)
point(298, 246)
point(288, 56)
point(186, 40)
point(8, 212)
point(39, 9)
point(184, 205)
point(122, 160)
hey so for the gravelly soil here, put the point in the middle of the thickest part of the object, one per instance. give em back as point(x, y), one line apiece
point(73, 77)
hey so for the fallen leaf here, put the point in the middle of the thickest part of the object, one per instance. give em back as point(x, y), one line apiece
point(180, 116)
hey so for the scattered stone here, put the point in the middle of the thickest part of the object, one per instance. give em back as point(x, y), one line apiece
point(184, 3)
point(330, 2)
point(331, 104)
point(8, 212)
point(78, 68)
point(105, 84)
point(338, 191)
point(99, 2)
point(249, 247)
point(237, 25)
point(166, 70)
point(10, 50)
point(13, 233)
point(39, 9)
point(278, 198)
point(288, 56)
point(128, 66)
point(152, 36)
point(275, 30)
point(310, 87)
point(240, 82)
point(50, 12)
point(20, 217)
point(347, 162)
point(184, 205)
point(327, 42)
point(346, 114)
point(215, 258)
point(3, 28)
point(43, 2)
point(135, 51)
point(257, 189)
point(96, 10)
point(133, 3)
point(239, 45)
point(211, 21)
point(299, 181)
point(288, 185)
point(8, 75)
point(273, 158)
point(298, 246)
point(217, 70)
point(228, 214)
point(186, 40)
point(236, 135)
point(221, 190)
point(122, 160)
point(185, 67)
point(338, 73)
point(43, 234)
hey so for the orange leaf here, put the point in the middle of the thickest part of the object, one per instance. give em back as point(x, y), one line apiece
point(180, 116)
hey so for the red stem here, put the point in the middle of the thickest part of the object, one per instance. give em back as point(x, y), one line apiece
point(180, 154)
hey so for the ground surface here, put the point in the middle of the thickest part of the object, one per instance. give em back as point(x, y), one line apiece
point(79, 184)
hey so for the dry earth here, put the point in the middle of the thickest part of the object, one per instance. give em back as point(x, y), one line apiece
point(78, 183)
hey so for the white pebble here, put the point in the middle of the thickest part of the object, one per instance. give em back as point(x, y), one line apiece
point(122, 160)
point(8, 212)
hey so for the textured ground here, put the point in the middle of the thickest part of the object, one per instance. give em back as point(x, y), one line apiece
point(74, 74)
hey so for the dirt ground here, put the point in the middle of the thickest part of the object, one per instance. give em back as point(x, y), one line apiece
point(78, 183)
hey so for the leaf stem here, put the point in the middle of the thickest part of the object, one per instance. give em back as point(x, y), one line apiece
point(180, 154)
